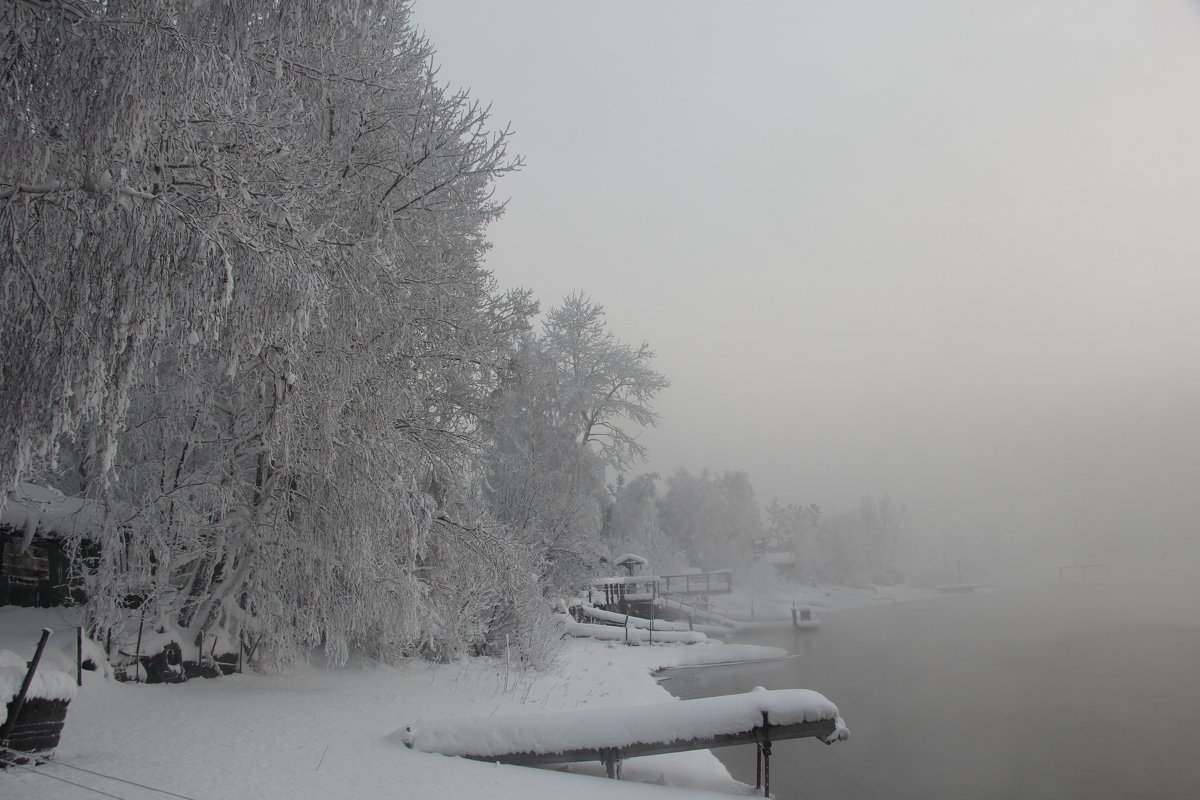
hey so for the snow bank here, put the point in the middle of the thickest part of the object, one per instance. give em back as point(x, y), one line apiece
point(48, 684)
point(609, 633)
point(593, 729)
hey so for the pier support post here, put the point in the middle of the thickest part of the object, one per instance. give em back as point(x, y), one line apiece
point(765, 747)
point(611, 759)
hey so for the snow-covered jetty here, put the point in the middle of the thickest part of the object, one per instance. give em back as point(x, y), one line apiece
point(611, 734)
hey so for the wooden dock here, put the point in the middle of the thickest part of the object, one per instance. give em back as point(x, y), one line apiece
point(612, 735)
point(611, 757)
point(706, 583)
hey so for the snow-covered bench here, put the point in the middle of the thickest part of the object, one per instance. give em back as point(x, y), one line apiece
point(612, 734)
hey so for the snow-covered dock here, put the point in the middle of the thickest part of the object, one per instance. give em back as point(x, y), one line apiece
point(612, 734)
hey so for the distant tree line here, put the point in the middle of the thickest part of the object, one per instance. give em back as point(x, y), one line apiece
point(714, 521)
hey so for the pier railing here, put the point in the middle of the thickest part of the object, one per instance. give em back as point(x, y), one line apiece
point(719, 582)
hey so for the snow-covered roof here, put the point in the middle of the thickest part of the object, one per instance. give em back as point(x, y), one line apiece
point(592, 729)
point(630, 558)
point(30, 507)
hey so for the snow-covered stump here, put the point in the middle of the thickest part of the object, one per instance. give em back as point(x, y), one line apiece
point(35, 706)
point(610, 735)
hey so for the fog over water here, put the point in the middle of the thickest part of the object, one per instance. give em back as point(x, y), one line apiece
point(1070, 692)
point(942, 249)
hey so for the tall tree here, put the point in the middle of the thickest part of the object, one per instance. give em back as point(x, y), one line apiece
point(606, 384)
point(541, 483)
point(712, 518)
point(631, 524)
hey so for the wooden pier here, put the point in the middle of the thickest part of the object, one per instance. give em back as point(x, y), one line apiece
point(706, 583)
point(612, 735)
point(611, 757)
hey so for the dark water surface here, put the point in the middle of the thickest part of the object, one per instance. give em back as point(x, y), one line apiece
point(1065, 693)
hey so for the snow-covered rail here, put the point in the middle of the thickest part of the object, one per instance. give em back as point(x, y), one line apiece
point(611, 734)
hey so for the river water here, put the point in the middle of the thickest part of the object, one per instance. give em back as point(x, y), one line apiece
point(1075, 692)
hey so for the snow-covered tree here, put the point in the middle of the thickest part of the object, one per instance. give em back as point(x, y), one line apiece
point(631, 524)
point(242, 288)
point(542, 484)
point(795, 527)
point(712, 518)
point(606, 384)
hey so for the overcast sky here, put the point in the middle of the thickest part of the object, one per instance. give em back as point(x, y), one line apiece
point(943, 249)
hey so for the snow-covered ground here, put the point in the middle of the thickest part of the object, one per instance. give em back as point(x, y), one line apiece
point(320, 733)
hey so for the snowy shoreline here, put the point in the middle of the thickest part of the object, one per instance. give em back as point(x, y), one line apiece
point(316, 733)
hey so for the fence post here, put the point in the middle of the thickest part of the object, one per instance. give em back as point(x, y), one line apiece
point(19, 700)
point(137, 658)
point(766, 751)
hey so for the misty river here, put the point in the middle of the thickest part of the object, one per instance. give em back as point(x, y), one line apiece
point(1072, 692)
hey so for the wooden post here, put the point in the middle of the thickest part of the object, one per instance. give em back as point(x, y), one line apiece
point(19, 700)
point(79, 656)
point(137, 658)
point(611, 758)
point(766, 751)
point(758, 765)
point(766, 754)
